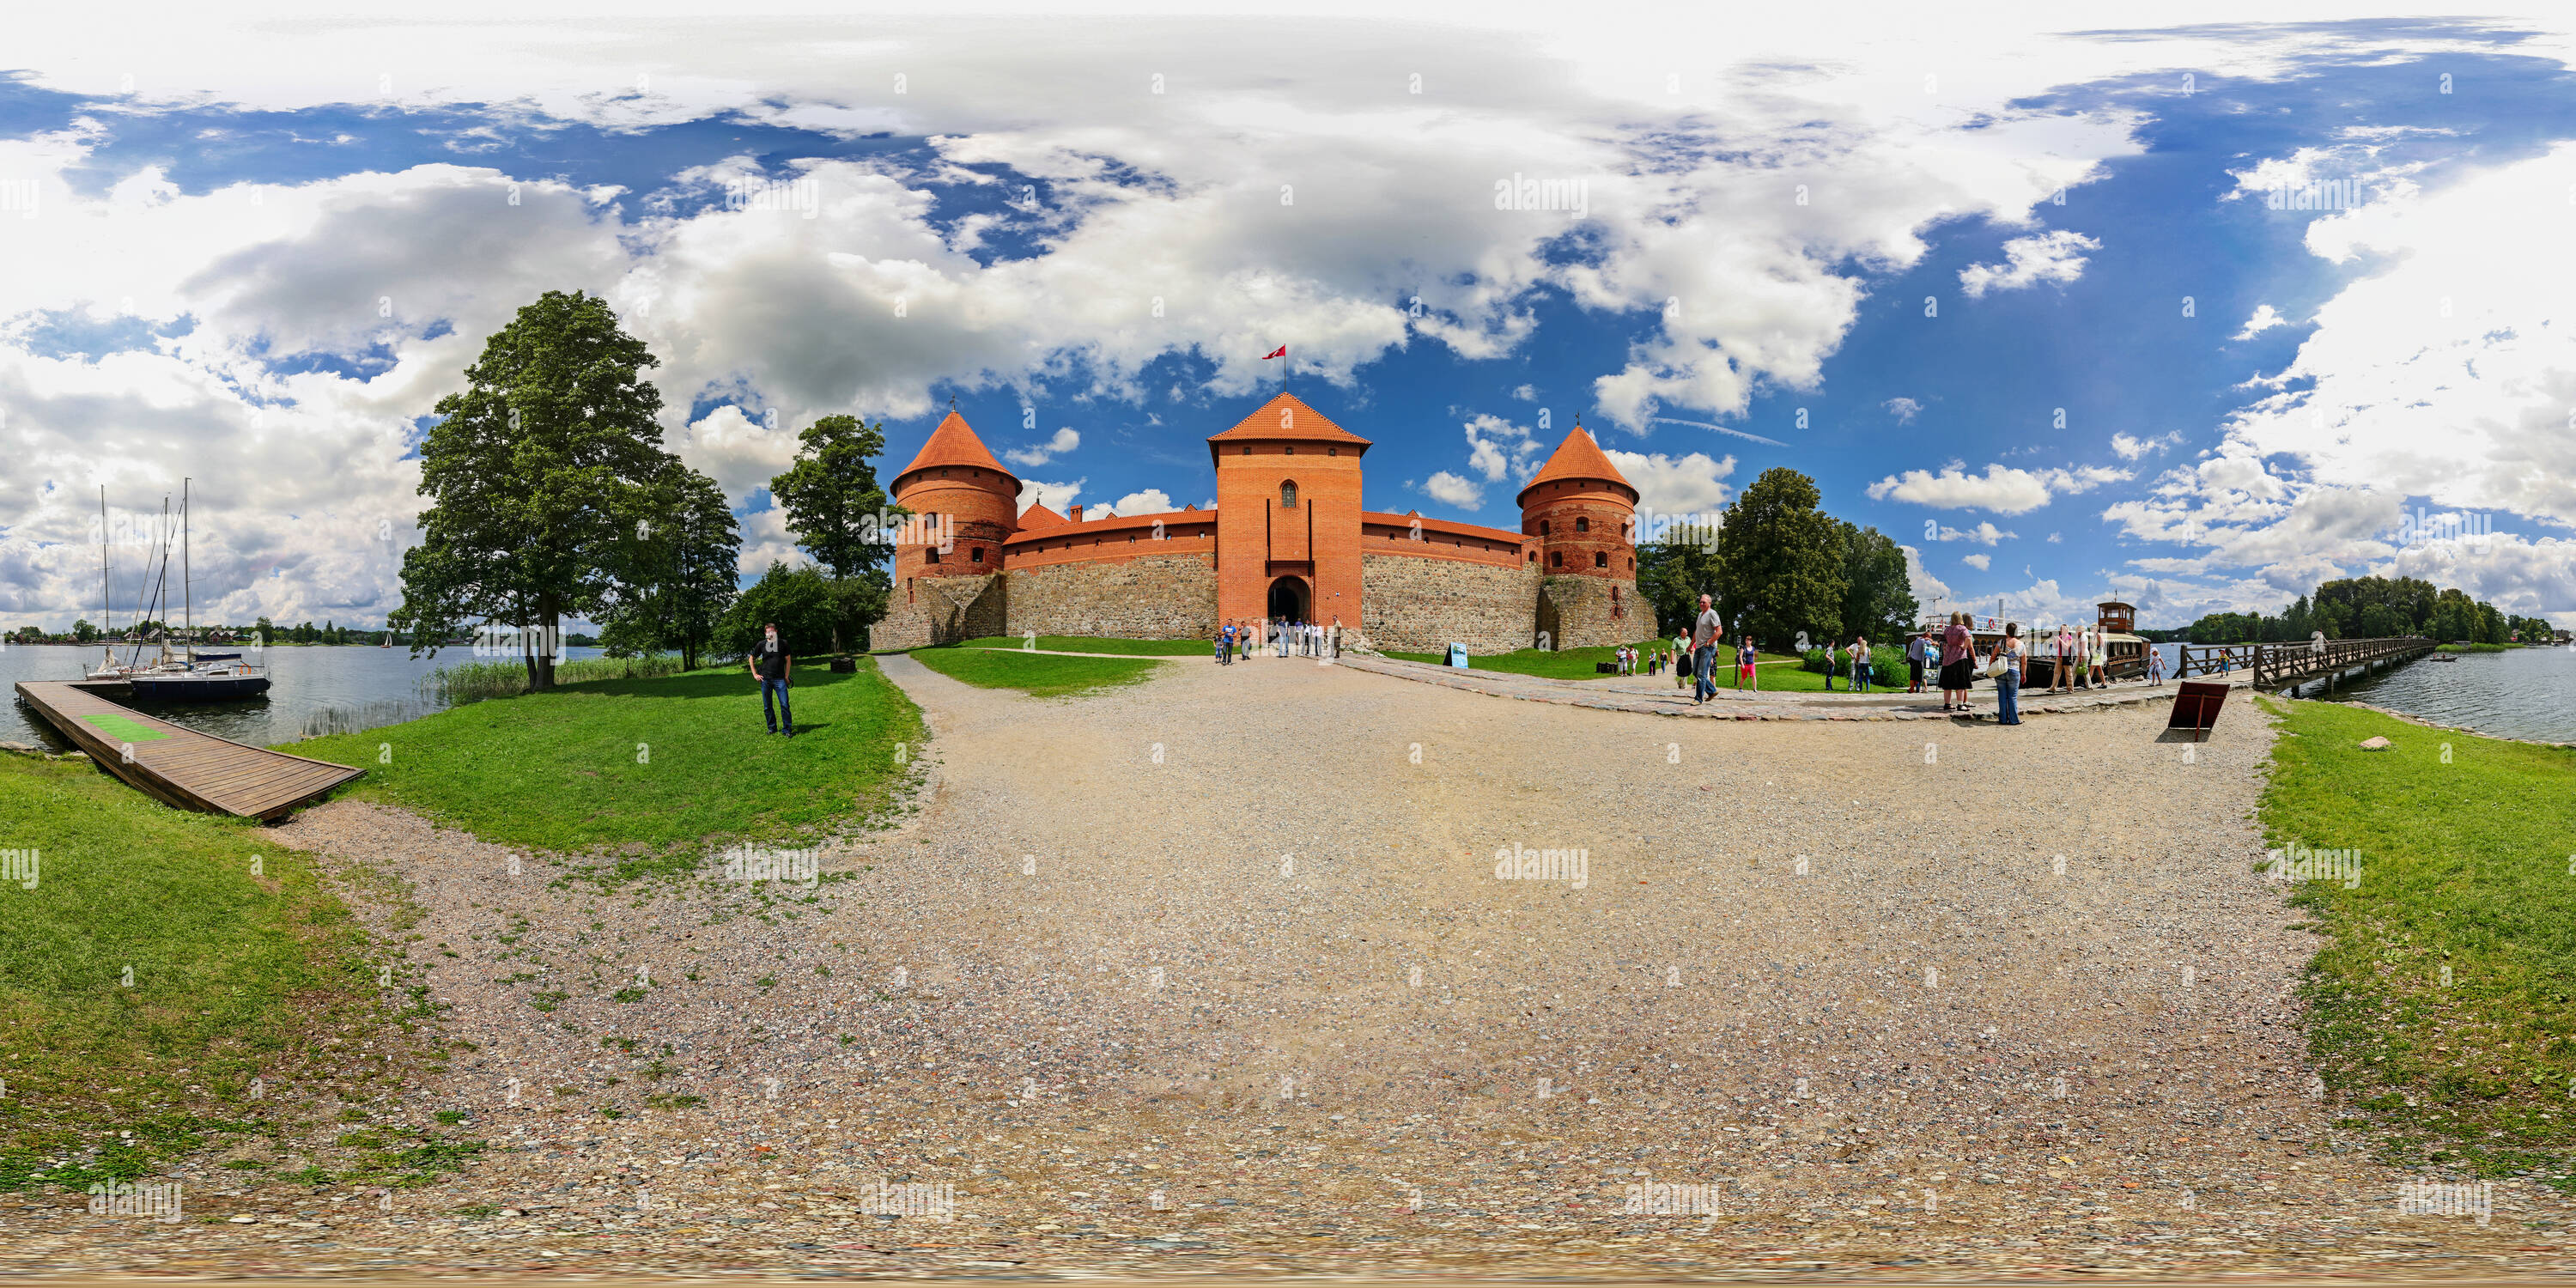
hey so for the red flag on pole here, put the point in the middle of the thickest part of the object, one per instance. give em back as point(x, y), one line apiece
point(1281, 352)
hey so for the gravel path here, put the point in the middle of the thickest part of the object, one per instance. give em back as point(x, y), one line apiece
point(1915, 1000)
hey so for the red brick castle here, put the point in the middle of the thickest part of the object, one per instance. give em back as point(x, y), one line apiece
point(1287, 538)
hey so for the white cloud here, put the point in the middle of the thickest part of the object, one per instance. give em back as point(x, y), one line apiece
point(1903, 409)
point(2056, 256)
point(2265, 318)
point(1452, 490)
point(1979, 562)
point(2001, 489)
point(1675, 485)
point(1055, 496)
point(1984, 534)
point(1152, 500)
point(1526, 393)
point(2130, 448)
point(1065, 440)
point(1930, 592)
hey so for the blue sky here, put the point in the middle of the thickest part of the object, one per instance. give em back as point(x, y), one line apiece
point(2016, 298)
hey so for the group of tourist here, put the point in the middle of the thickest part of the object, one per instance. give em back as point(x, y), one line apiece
point(1852, 661)
point(1633, 660)
point(1282, 636)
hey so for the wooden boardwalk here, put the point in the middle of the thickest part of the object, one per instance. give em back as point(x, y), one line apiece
point(178, 765)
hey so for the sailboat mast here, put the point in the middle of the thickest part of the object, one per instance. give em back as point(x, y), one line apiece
point(106, 605)
point(187, 589)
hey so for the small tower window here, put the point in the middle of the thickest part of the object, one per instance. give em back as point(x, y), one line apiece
point(930, 554)
point(1247, 449)
point(979, 554)
point(1600, 558)
point(1292, 449)
point(1542, 527)
point(1288, 495)
point(1332, 451)
point(1555, 558)
point(1583, 525)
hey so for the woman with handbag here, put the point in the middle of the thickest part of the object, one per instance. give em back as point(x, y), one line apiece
point(2005, 667)
point(1958, 663)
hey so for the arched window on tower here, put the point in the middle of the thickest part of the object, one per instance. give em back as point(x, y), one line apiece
point(1542, 527)
point(1600, 558)
point(1288, 495)
point(1583, 525)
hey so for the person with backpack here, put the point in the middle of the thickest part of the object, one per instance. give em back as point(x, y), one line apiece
point(2008, 657)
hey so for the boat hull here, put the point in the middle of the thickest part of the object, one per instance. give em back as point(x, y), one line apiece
point(196, 688)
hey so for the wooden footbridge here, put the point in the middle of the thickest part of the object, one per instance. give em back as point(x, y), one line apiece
point(178, 765)
point(2281, 665)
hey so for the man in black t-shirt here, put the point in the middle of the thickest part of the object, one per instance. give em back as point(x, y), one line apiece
point(769, 661)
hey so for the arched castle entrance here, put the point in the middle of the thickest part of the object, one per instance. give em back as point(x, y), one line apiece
point(1290, 598)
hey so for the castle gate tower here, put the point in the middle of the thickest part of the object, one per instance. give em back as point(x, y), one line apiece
point(1288, 515)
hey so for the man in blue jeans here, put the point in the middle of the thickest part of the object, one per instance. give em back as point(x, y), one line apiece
point(1704, 635)
point(769, 661)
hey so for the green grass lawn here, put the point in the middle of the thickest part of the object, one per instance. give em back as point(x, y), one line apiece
point(2466, 867)
point(1095, 644)
point(653, 769)
point(1577, 664)
point(1040, 675)
point(234, 975)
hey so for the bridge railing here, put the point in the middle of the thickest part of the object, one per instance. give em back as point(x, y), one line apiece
point(2274, 664)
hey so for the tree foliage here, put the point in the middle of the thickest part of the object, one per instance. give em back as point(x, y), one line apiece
point(683, 571)
point(799, 597)
point(1878, 594)
point(2373, 608)
point(1781, 561)
point(834, 505)
point(537, 472)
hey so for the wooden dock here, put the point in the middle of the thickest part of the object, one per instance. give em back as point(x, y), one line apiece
point(178, 765)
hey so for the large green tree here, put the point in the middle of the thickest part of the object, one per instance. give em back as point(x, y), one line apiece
point(1780, 561)
point(1878, 596)
point(684, 575)
point(832, 501)
point(799, 598)
point(1673, 572)
point(537, 472)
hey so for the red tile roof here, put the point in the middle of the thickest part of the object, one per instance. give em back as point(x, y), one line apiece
point(953, 444)
point(1038, 518)
point(1305, 424)
point(1578, 457)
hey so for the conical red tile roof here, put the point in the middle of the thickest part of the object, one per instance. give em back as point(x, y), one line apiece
point(952, 444)
point(1578, 457)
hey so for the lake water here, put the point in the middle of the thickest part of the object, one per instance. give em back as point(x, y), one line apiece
point(2519, 693)
point(314, 689)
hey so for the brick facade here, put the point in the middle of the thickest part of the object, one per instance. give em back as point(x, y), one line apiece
point(1288, 528)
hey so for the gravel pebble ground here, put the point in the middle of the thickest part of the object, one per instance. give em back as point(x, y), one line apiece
point(1214, 976)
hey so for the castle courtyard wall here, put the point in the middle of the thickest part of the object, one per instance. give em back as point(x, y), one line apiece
point(1418, 604)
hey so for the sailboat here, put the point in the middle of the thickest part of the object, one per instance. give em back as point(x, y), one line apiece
point(195, 676)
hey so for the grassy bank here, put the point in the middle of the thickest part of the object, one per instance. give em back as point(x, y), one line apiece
point(2445, 993)
point(235, 975)
point(1040, 675)
point(1096, 644)
point(657, 770)
point(474, 681)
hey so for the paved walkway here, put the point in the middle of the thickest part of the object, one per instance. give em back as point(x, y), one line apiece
point(1654, 695)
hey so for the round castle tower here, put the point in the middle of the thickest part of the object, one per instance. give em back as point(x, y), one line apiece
point(1580, 508)
point(957, 491)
